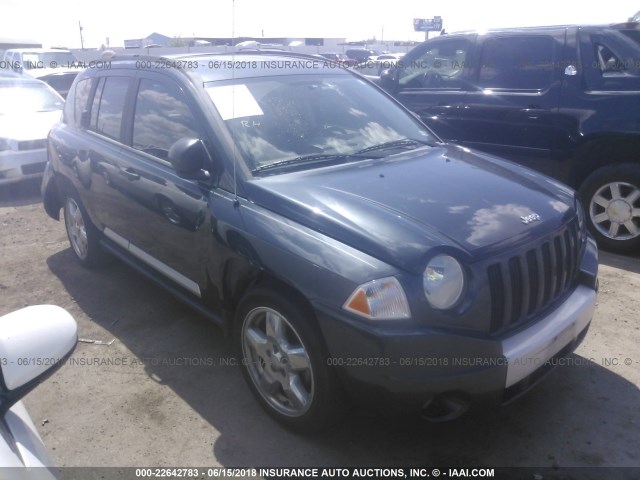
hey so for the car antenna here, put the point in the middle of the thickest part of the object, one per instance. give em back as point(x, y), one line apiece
point(236, 203)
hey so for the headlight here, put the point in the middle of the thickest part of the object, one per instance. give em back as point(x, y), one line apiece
point(379, 299)
point(443, 281)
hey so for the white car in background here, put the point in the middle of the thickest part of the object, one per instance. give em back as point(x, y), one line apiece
point(34, 342)
point(56, 67)
point(28, 110)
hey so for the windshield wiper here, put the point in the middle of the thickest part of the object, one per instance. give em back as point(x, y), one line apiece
point(312, 158)
point(405, 142)
point(324, 157)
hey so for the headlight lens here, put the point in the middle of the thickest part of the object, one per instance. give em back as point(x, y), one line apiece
point(443, 281)
point(379, 299)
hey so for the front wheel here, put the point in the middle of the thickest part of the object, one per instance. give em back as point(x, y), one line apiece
point(83, 235)
point(611, 196)
point(283, 361)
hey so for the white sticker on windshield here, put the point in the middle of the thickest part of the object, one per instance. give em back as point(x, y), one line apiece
point(234, 101)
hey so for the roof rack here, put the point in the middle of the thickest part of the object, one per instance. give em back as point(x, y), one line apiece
point(169, 57)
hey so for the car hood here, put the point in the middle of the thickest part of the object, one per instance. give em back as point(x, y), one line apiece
point(28, 125)
point(401, 207)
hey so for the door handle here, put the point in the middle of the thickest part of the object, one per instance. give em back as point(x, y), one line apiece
point(131, 174)
point(534, 112)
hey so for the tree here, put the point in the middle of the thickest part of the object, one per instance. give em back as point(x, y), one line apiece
point(178, 42)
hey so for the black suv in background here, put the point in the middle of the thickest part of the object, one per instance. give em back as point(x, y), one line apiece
point(306, 211)
point(361, 54)
point(563, 100)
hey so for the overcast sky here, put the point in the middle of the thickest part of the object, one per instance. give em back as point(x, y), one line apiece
point(55, 23)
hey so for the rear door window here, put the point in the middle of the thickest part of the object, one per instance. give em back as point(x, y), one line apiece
point(162, 116)
point(611, 60)
point(517, 63)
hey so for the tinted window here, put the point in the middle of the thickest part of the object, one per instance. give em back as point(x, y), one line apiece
point(440, 66)
point(108, 106)
point(607, 60)
point(161, 117)
point(96, 103)
point(81, 99)
point(522, 63)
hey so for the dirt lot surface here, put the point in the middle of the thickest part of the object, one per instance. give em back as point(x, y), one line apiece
point(161, 394)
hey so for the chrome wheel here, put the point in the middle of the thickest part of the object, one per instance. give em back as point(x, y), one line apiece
point(76, 228)
point(615, 211)
point(277, 362)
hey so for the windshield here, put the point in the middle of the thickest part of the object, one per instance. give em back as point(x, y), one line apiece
point(305, 118)
point(32, 60)
point(28, 98)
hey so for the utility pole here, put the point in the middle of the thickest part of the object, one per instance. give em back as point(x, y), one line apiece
point(81, 40)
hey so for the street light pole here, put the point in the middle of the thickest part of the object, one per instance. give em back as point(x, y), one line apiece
point(81, 40)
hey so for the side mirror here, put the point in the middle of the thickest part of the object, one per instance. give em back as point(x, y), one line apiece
point(191, 159)
point(388, 79)
point(34, 342)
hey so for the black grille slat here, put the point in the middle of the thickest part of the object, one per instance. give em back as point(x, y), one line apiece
point(526, 288)
point(526, 284)
point(559, 266)
point(508, 294)
point(573, 239)
point(515, 273)
point(497, 301)
point(549, 278)
point(532, 264)
point(566, 259)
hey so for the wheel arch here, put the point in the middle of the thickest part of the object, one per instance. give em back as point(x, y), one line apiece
point(241, 277)
point(603, 150)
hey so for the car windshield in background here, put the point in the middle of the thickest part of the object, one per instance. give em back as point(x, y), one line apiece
point(37, 59)
point(28, 98)
point(310, 121)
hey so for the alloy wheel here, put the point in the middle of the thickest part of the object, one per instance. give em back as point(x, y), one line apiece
point(76, 228)
point(615, 211)
point(277, 362)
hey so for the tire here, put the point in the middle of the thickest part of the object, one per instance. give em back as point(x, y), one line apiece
point(283, 361)
point(83, 235)
point(611, 197)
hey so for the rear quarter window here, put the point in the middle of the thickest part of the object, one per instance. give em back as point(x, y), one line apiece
point(78, 102)
point(611, 60)
point(108, 106)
